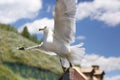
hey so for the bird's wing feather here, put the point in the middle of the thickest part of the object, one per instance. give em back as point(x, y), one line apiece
point(64, 17)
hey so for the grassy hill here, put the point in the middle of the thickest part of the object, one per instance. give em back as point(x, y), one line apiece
point(24, 65)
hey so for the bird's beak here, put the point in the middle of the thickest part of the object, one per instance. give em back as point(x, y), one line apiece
point(41, 29)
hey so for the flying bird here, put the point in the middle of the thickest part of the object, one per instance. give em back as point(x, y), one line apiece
point(59, 40)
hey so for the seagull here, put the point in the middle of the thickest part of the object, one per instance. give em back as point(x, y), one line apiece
point(59, 41)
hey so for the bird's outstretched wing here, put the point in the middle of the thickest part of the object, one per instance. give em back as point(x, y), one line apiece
point(64, 18)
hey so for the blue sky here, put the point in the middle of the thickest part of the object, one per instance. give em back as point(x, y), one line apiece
point(97, 23)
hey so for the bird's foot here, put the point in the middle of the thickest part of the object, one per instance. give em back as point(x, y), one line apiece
point(64, 69)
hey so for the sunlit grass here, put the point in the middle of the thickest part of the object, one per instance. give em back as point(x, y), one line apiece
point(9, 41)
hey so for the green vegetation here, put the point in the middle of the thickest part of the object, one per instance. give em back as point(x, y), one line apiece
point(25, 33)
point(24, 65)
point(30, 72)
point(8, 27)
point(5, 71)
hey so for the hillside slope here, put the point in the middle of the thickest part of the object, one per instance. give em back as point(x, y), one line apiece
point(9, 56)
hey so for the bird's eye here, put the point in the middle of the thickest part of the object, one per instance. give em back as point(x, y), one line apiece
point(45, 27)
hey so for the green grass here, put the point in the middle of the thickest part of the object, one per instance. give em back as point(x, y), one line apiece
point(30, 72)
point(7, 74)
point(8, 27)
point(9, 41)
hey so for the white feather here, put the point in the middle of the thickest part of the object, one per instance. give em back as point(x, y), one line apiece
point(64, 32)
point(65, 20)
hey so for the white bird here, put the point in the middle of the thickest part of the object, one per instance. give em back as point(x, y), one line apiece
point(59, 41)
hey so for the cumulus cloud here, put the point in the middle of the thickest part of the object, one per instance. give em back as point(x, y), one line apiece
point(49, 7)
point(33, 27)
point(105, 63)
point(13, 10)
point(107, 11)
point(81, 38)
point(117, 77)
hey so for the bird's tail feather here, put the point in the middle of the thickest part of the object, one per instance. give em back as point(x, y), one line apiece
point(76, 55)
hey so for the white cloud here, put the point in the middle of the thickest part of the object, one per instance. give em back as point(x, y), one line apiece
point(13, 10)
point(117, 77)
point(105, 63)
point(49, 8)
point(107, 11)
point(81, 38)
point(33, 27)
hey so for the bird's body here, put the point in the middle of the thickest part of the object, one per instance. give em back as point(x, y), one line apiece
point(59, 41)
point(67, 53)
point(51, 43)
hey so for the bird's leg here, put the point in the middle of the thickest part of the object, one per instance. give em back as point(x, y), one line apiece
point(64, 69)
point(70, 64)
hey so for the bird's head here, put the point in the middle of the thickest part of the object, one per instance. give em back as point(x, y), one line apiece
point(45, 30)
